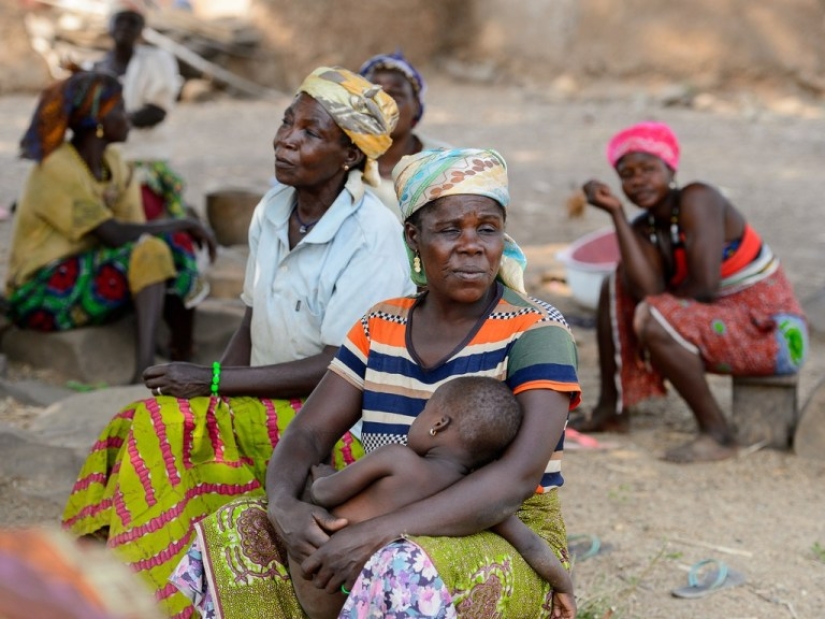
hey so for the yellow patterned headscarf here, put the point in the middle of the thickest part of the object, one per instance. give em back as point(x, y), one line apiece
point(363, 111)
point(431, 174)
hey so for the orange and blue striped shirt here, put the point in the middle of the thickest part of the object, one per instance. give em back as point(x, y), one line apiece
point(522, 341)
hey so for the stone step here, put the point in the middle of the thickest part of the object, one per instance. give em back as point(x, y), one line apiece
point(89, 355)
point(226, 274)
point(38, 470)
point(106, 354)
point(33, 392)
point(76, 422)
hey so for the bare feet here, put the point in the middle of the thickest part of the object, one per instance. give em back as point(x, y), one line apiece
point(704, 448)
point(602, 419)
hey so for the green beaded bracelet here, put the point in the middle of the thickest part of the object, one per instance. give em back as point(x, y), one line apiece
point(216, 378)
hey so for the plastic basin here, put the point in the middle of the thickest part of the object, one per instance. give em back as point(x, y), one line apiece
point(587, 261)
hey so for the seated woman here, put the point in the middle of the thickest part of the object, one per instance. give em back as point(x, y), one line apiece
point(472, 319)
point(322, 249)
point(82, 252)
point(466, 423)
point(400, 80)
point(697, 291)
point(151, 83)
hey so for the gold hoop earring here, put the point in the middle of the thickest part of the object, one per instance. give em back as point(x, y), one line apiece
point(433, 431)
point(100, 132)
point(417, 264)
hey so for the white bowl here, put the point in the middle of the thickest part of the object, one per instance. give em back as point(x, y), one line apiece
point(587, 262)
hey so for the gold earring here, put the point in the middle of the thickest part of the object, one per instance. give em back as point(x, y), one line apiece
point(99, 132)
point(346, 168)
point(417, 264)
point(433, 431)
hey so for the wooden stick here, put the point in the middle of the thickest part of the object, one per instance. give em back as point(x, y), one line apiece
point(730, 551)
point(209, 68)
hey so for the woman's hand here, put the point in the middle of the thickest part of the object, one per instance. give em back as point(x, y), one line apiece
point(321, 470)
point(599, 195)
point(181, 380)
point(303, 527)
point(564, 606)
point(203, 236)
point(340, 560)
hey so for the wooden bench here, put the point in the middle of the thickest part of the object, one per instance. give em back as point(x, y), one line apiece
point(765, 410)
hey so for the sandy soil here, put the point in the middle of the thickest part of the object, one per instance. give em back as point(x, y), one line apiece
point(763, 512)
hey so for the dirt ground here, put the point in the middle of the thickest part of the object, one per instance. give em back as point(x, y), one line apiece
point(762, 513)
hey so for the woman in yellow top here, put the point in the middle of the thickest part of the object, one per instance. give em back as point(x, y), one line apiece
point(82, 252)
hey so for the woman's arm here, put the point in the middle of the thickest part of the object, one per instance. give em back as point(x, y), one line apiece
point(147, 116)
point(282, 380)
point(702, 219)
point(544, 562)
point(114, 233)
point(476, 502)
point(333, 407)
point(641, 262)
point(536, 552)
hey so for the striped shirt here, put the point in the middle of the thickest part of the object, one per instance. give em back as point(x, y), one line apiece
point(522, 341)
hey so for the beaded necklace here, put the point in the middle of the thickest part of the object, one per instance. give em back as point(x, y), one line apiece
point(304, 226)
point(674, 226)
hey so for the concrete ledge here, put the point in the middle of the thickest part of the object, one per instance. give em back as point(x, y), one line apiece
point(91, 354)
point(107, 354)
point(75, 422)
point(226, 274)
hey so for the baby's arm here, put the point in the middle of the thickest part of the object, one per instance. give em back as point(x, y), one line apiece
point(544, 561)
point(332, 490)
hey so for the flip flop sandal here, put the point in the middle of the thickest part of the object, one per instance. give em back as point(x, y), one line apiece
point(584, 546)
point(715, 576)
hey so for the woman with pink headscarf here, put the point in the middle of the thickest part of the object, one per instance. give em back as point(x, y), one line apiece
point(697, 290)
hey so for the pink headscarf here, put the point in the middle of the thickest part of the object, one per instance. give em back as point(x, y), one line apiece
point(653, 138)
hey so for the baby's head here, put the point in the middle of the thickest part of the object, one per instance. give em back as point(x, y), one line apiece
point(479, 414)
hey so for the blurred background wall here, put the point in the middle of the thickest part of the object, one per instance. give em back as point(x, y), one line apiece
point(703, 44)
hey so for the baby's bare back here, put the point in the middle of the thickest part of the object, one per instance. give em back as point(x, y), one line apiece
point(412, 479)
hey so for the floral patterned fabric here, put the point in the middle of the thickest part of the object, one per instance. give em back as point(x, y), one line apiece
point(161, 189)
point(97, 286)
point(399, 581)
point(473, 577)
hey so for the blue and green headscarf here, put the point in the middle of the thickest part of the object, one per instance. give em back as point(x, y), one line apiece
point(431, 174)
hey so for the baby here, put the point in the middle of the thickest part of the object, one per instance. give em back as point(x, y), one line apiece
point(467, 422)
